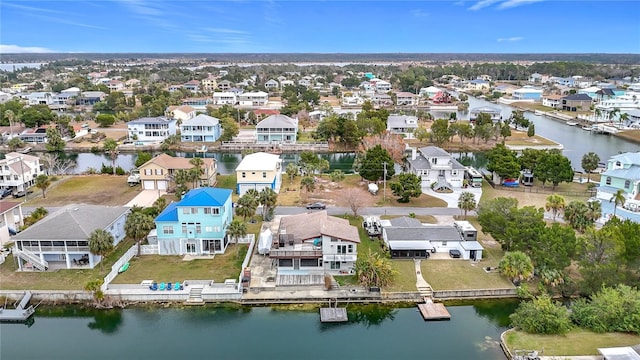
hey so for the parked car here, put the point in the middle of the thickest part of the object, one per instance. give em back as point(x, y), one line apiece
point(316, 205)
point(22, 193)
point(5, 192)
point(455, 253)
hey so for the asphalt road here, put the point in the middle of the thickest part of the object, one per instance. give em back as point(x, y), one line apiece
point(292, 210)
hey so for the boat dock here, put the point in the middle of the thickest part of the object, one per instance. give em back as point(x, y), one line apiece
point(433, 311)
point(333, 313)
point(21, 311)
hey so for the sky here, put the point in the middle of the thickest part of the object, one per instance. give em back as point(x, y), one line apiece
point(329, 26)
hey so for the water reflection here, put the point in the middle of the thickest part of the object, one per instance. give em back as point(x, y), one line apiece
point(106, 321)
point(497, 312)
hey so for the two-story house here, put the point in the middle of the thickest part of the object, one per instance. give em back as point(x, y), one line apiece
point(40, 98)
point(202, 128)
point(272, 85)
point(315, 242)
point(182, 112)
point(404, 98)
point(159, 172)
point(19, 171)
point(61, 239)
point(402, 124)
point(151, 129)
point(89, 98)
point(192, 85)
point(224, 98)
point(436, 168)
point(197, 224)
point(258, 171)
point(253, 99)
point(576, 102)
point(11, 219)
point(225, 85)
point(277, 129)
point(115, 85)
point(622, 173)
point(495, 113)
point(209, 84)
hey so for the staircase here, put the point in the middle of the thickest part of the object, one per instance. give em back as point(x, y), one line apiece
point(425, 291)
point(195, 295)
point(32, 258)
point(442, 184)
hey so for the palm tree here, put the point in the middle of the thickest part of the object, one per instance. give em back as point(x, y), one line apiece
point(10, 115)
point(617, 199)
point(268, 199)
point(308, 184)
point(246, 206)
point(197, 163)
point(516, 265)
point(236, 230)
point(160, 204)
point(594, 211)
point(137, 226)
point(589, 163)
point(466, 202)
point(623, 117)
point(292, 171)
point(110, 147)
point(100, 243)
point(555, 203)
point(42, 183)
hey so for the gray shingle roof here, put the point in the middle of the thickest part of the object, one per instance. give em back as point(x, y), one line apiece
point(277, 121)
point(400, 121)
point(422, 232)
point(405, 221)
point(429, 151)
point(202, 120)
point(577, 97)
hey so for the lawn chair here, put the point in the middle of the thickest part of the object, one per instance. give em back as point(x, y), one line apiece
point(177, 286)
point(162, 286)
point(169, 287)
point(153, 287)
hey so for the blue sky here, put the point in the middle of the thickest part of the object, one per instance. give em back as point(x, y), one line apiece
point(330, 26)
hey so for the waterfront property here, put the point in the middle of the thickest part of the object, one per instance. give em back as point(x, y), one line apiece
point(277, 129)
point(622, 173)
point(158, 172)
point(182, 112)
point(151, 129)
point(18, 172)
point(315, 242)
point(253, 99)
point(576, 102)
point(407, 238)
point(495, 113)
point(403, 125)
point(195, 225)
point(11, 219)
point(60, 240)
point(202, 128)
point(258, 171)
point(436, 168)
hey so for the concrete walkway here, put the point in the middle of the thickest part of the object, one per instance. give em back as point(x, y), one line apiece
point(421, 284)
point(145, 198)
point(452, 198)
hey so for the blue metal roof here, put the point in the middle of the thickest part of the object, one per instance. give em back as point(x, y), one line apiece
point(169, 213)
point(205, 197)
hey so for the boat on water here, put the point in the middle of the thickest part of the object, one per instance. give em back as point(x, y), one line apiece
point(587, 128)
point(202, 149)
point(572, 123)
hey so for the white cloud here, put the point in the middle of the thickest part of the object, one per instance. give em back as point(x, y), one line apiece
point(419, 13)
point(482, 4)
point(17, 49)
point(502, 4)
point(226, 31)
point(511, 39)
point(513, 3)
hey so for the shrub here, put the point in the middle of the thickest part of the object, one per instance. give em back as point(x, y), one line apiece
point(106, 169)
point(610, 310)
point(542, 315)
point(120, 171)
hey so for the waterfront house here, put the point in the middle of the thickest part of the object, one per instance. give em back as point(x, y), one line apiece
point(622, 173)
point(224, 98)
point(436, 168)
point(407, 238)
point(62, 101)
point(277, 129)
point(192, 85)
point(200, 103)
point(495, 113)
point(527, 93)
point(88, 98)
point(253, 99)
point(576, 102)
point(315, 242)
point(19, 171)
point(61, 239)
point(158, 172)
point(182, 113)
point(197, 224)
point(11, 219)
point(406, 99)
point(477, 85)
point(258, 171)
point(552, 101)
point(403, 125)
point(35, 135)
point(151, 129)
point(202, 128)
point(430, 91)
point(40, 98)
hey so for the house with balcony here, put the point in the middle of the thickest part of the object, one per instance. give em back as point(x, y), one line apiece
point(63, 101)
point(159, 172)
point(151, 129)
point(11, 219)
point(381, 100)
point(527, 93)
point(199, 103)
point(34, 135)
point(91, 97)
point(381, 85)
point(40, 98)
point(202, 128)
point(277, 129)
point(19, 171)
point(209, 84)
point(197, 224)
point(406, 99)
point(192, 85)
point(115, 85)
point(622, 173)
point(436, 168)
point(403, 125)
point(495, 113)
point(552, 101)
point(576, 102)
point(61, 239)
point(272, 85)
point(315, 243)
point(253, 99)
point(477, 85)
point(258, 171)
point(225, 85)
point(182, 112)
point(224, 98)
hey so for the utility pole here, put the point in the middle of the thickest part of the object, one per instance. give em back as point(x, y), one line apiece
point(384, 183)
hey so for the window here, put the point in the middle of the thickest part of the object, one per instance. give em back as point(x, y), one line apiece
point(350, 249)
point(608, 180)
point(212, 211)
point(186, 210)
point(244, 174)
point(194, 210)
point(627, 183)
point(166, 229)
point(208, 229)
point(184, 228)
point(342, 249)
point(198, 229)
point(335, 265)
point(444, 243)
point(454, 172)
point(158, 171)
point(264, 174)
point(618, 163)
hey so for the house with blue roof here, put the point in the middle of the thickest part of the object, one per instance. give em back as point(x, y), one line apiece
point(197, 224)
point(623, 173)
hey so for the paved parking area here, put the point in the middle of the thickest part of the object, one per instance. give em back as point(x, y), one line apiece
point(145, 198)
point(452, 198)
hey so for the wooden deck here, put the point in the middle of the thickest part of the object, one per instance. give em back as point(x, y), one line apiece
point(299, 280)
point(434, 311)
point(333, 314)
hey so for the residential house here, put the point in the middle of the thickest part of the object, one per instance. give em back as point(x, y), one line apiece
point(505, 89)
point(253, 99)
point(132, 83)
point(407, 238)
point(591, 91)
point(182, 112)
point(568, 81)
point(495, 113)
point(115, 85)
point(174, 88)
point(202, 128)
point(61, 239)
point(91, 97)
point(552, 101)
point(262, 113)
point(436, 168)
point(315, 242)
point(224, 85)
point(622, 173)
point(430, 91)
point(40, 98)
point(151, 129)
point(258, 171)
point(477, 85)
point(19, 171)
point(158, 172)
point(284, 83)
point(200, 103)
point(197, 224)
point(209, 84)
point(305, 81)
point(192, 85)
point(620, 353)
point(538, 78)
point(277, 129)
point(381, 100)
point(352, 99)
point(576, 102)
point(406, 99)
point(34, 136)
point(272, 85)
point(224, 98)
point(11, 219)
point(62, 101)
point(402, 124)
point(382, 86)
point(527, 93)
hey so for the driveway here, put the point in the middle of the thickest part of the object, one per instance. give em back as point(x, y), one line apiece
point(452, 198)
point(145, 198)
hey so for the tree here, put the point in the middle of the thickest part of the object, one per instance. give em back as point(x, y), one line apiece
point(160, 204)
point(531, 130)
point(555, 203)
point(408, 186)
point(440, 131)
point(237, 229)
point(393, 143)
point(105, 120)
point(374, 162)
point(246, 206)
point(355, 199)
point(466, 202)
point(337, 175)
point(101, 243)
point(308, 185)
point(42, 183)
point(197, 167)
point(542, 315)
point(590, 162)
point(138, 226)
point(576, 214)
point(55, 143)
point(503, 162)
point(268, 199)
point(292, 171)
point(495, 215)
point(36, 116)
point(516, 265)
point(110, 147)
point(555, 249)
point(555, 168)
point(142, 158)
point(601, 258)
point(505, 131)
point(230, 129)
point(15, 143)
point(374, 270)
point(617, 199)
point(611, 309)
point(94, 287)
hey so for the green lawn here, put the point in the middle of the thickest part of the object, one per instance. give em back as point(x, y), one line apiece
point(575, 343)
point(456, 274)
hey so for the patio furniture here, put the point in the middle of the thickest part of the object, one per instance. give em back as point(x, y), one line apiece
point(162, 286)
point(177, 286)
point(169, 287)
point(154, 286)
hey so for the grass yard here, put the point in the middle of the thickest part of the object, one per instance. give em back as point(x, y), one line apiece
point(108, 190)
point(405, 280)
point(57, 280)
point(461, 275)
point(173, 268)
point(536, 195)
point(575, 343)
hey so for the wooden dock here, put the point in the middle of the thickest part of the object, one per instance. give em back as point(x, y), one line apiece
point(434, 311)
point(333, 314)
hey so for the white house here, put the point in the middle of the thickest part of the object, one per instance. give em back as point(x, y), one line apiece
point(277, 129)
point(40, 98)
point(382, 86)
point(402, 124)
point(11, 219)
point(19, 171)
point(258, 171)
point(253, 99)
point(272, 85)
point(151, 129)
point(406, 99)
point(182, 112)
point(430, 91)
point(436, 168)
point(527, 93)
point(224, 98)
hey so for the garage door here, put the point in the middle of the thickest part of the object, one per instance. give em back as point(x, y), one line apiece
point(162, 185)
point(148, 185)
point(244, 187)
point(259, 187)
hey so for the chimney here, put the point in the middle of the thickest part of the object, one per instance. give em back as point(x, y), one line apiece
point(414, 153)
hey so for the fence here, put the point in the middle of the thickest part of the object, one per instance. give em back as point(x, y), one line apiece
point(114, 269)
point(149, 249)
point(247, 258)
point(246, 239)
point(474, 293)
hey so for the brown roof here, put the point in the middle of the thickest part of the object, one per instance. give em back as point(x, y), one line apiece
point(183, 108)
point(312, 225)
point(175, 163)
point(553, 97)
point(8, 205)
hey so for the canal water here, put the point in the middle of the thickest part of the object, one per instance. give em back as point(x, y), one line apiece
point(373, 332)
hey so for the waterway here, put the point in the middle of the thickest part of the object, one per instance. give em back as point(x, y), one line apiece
point(373, 332)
